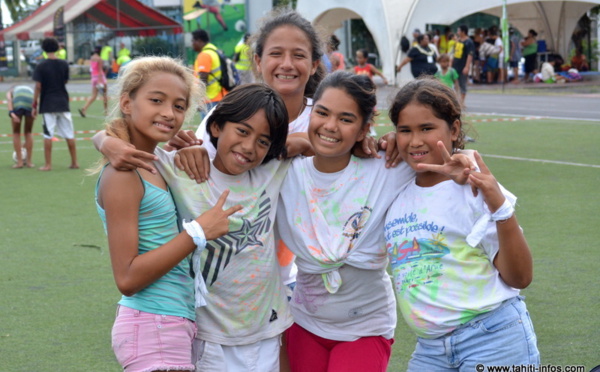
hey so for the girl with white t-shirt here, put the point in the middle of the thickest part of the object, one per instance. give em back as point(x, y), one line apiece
point(458, 258)
point(331, 215)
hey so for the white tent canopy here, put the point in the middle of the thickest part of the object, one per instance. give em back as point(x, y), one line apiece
point(389, 20)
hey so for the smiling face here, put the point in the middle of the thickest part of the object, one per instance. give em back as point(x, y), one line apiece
point(242, 146)
point(335, 126)
point(286, 63)
point(156, 110)
point(417, 134)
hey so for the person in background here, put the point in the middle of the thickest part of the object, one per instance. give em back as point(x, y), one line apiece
point(515, 54)
point(421, 58)
point(548, 74)
point(62, 52)
point(106, 53)
point(447, 74)
point(20, 110)
point(464, 49)
point(579, 61)
point(99, 83)
point(365, 68)
point(336, 58)
point(416, 32)
point(123, 51)
point(51, 77)
point(208, 67)
point(530, 47)
point(491, 59)
point(243, 60)
point(435, 39)
point(444, 40)
point(122, 61)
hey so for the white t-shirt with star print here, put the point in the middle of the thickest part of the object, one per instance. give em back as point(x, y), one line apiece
point(246, 301)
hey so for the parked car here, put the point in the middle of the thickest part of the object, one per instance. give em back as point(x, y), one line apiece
point(29, 47)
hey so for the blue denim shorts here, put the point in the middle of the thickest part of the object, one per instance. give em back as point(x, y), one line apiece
point(501, 337)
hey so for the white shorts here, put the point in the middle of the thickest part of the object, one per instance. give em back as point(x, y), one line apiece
point(261, 356)
point(60, 122)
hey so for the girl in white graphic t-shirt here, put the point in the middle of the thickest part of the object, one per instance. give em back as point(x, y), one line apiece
point(458, 258)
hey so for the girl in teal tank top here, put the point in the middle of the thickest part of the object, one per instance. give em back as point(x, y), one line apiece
point(150, 258)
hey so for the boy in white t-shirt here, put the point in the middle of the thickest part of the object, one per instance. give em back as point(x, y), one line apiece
point(246, 307)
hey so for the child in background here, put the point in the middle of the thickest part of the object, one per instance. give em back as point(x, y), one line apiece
point(247, 308)
point(154, 327)
point(365, 68)
point(20, 100)
point(447, 74)
point(99, 83)
point(336, 58)
point(51, 77)
point(548, 74)
point(458, 260)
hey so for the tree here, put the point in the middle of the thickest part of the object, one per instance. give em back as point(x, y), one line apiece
point(20, 9)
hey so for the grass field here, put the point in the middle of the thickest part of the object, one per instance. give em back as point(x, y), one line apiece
point(58, 295)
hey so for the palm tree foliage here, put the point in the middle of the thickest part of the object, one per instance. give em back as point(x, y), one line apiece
point(20, 9)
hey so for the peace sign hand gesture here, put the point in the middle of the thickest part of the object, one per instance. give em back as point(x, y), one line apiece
point(457, 166)
point(215, 221)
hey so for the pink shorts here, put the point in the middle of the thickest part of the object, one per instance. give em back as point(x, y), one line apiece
point(150, 342)
point(308, 352)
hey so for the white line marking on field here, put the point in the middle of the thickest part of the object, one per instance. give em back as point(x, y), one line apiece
point(541, 117)
point(542, 161)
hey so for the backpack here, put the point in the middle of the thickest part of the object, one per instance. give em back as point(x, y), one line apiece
point(404, 44)
point(230, 77)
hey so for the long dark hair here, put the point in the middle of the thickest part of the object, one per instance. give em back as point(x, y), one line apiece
point(360, 87)
point(284, 17)
point(242, 103)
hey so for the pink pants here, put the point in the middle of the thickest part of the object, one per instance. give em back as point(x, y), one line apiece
point(308, 352)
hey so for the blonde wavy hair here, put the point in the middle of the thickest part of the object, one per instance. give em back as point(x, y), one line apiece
point(132, 77)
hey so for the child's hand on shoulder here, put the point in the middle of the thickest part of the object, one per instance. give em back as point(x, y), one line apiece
point(387, 142)
point(367, 148)
point(298, 144)
point(485, 182)
point(194, 161)
point(124, 156)
point(183, 139)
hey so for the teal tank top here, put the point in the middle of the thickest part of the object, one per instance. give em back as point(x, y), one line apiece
point(172, 294)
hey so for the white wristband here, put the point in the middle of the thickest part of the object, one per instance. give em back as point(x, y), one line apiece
point(195, 231)
point(503, 213)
